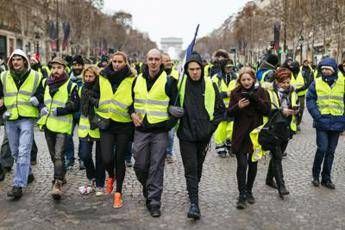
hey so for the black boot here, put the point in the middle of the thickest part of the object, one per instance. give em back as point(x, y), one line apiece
point(194, 211)
point(15, 193)
point(241, 202)
point(31, 178)
point(250, 198)
point(270, 174)
point(2, 174)
point(280, 181)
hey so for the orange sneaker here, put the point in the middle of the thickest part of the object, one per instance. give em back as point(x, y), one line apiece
point(117, 200)
point(109, 185)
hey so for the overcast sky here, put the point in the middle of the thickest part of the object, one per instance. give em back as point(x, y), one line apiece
point(175, 18)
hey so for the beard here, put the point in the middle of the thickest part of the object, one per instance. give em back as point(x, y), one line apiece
point(77, 72)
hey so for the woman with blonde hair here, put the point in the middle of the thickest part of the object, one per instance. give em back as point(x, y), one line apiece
point(248, 104)
point(88, 131)
point(119, 131)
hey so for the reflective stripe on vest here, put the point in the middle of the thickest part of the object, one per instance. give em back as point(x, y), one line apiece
point(17, 101)
point(330, 100)
point(121, 101)
point(222, 87)
point(209, 98)
point(84, 128)
point(57, 124)
point(104, 103)
point(154, 103)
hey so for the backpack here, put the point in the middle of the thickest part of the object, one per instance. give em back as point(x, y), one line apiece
point(275, 131)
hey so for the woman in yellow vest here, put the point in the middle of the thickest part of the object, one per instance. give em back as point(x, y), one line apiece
point(248, 104)
point(284, 97)
point(61, 100)
point(88, 131)
point(120, 130)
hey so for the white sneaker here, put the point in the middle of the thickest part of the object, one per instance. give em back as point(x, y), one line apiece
point(87, 189)
point(99, 191)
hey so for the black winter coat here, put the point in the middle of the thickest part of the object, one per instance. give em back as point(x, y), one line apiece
point(195, 125)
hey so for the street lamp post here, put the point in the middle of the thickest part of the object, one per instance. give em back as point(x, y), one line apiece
point(57, 27)
point(301, 39)
point(37, 37)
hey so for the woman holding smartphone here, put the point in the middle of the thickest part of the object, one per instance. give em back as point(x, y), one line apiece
point(248, 104)
point(284, 98)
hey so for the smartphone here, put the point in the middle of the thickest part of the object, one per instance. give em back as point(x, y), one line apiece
point(295, 107)
point(245, 94)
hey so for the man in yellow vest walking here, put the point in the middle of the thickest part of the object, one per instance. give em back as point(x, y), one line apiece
point(20, 92)
point(153, 93)
point(325, 103)
point(61, 100)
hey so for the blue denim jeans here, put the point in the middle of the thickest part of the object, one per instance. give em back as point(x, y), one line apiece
point(93, 171)
point(326, 144)
point(69, 155)
point(20, 135)
point(170, 148)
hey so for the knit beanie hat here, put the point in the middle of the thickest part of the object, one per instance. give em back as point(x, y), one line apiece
point(282, 74)
point(78, 60)
point(272, 59)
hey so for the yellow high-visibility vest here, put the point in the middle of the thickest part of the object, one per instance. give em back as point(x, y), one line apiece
point(154, 103)
point(57, 124)
point(330, 100)
point(209, 98)
point(17, 102)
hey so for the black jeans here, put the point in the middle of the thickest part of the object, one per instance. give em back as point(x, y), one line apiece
point(193, 155)
point(57, 145)
point(245, 179)
point(109, 142)
point(93, 171)
point(299, 116)
point(275, 167)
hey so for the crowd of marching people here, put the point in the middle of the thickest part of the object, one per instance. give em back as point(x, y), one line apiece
point(134, 110)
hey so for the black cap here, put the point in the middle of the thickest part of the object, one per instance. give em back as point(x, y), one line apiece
point(78, 60)
point(272, 59)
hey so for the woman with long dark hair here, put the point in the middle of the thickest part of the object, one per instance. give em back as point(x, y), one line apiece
point(248, 104)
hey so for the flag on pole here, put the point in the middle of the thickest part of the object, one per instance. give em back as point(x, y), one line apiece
point(189, 51)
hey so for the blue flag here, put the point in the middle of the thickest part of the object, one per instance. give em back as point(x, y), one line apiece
point(187, 55)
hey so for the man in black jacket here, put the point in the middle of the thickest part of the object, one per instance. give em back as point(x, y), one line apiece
point(203, 110)
point(153, 93)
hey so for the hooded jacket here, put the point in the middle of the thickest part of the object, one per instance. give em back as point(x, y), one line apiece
point(321, 121)
point(19, 81)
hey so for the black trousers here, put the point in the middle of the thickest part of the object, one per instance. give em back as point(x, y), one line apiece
point(245, 178)
point(275, 167)
point(111, 143)
point(57, 145)
point(193, 156)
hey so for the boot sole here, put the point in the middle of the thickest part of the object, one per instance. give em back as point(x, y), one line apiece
point(193, 216)
point(56, 196)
